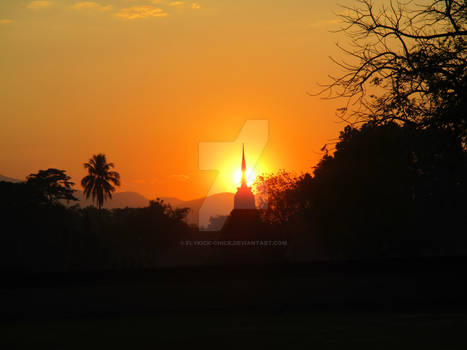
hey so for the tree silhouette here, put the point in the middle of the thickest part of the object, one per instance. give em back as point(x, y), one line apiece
point(52, 185)
point(216, 222)
point(406, 62)
point(275, 195)
point(100, 181)
point(386, 190)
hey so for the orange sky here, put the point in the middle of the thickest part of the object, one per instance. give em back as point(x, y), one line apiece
point(146, 81)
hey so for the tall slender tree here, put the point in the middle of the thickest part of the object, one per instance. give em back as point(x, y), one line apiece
point(101, 179)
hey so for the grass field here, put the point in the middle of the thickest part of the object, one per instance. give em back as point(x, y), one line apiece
point(385, 305)
point(237, 331)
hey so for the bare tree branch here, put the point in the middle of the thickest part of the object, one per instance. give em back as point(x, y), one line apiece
point(405, 63)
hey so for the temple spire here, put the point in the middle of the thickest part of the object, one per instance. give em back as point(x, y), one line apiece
point(244, 198)
point(243, 180)
point(243, 159)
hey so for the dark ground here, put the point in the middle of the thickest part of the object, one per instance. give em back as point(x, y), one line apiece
point(407, 304)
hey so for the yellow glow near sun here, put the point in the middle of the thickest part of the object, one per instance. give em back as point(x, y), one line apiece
point(230, 162)
point(250, 176)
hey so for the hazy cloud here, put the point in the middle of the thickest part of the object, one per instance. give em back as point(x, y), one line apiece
point(5, 21)
point(195, 6)
point(39, 4)
point(137, 12)
point(90, 5)
point(176, 3)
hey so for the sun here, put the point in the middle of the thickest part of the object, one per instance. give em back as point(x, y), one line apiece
point(250, 177)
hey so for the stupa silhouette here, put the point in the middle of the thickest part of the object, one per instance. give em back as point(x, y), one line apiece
point(244, 236)
point(244, 218)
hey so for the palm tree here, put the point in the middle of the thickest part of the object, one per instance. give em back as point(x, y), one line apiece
point(100, 181)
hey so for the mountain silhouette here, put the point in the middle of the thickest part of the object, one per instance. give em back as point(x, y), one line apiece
point(9, 179)
point(119, 200)
point(216, 204)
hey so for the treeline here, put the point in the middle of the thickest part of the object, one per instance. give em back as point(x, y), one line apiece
point(387, 191)
point(394, 186)
point(396, 182)
point(40, 234)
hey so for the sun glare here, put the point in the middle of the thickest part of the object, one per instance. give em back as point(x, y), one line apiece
point(250, 177)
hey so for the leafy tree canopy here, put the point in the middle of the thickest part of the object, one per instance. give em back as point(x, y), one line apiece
point(53, 185)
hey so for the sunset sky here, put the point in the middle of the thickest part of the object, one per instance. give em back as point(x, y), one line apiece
point(146, 81)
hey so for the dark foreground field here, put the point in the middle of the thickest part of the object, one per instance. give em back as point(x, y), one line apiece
point(380, 305)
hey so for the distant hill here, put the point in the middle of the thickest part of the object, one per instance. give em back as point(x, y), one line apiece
point(216, 204)
point(175, 202)
point(119, 200)
point(9, 179)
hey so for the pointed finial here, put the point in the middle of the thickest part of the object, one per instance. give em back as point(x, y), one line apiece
point(243, 180)
point(243, 158)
